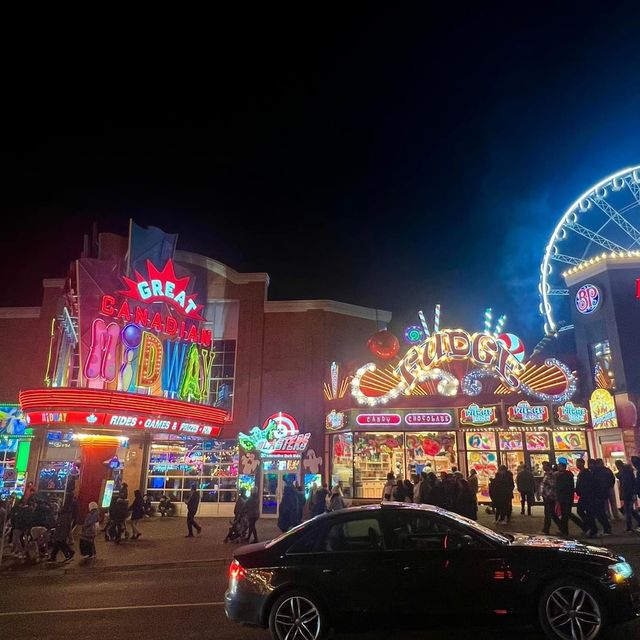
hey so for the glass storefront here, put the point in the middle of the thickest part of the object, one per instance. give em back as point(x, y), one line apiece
point(362, 460)
point(176, 464)
point(486, 450)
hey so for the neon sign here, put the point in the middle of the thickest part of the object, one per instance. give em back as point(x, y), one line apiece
point(603, 410)
point(378, 418)
point(524, 413)
point(97, 408)
point(587, 298)
point(280, 437)
point(569, 413)
point(163, 286)
point(422, 362)
point(478, 416)
point(334, 420)
point(104, 419)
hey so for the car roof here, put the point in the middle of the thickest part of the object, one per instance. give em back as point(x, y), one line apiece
point(386, 506)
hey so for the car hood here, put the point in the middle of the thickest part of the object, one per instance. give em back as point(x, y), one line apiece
point(560, 544)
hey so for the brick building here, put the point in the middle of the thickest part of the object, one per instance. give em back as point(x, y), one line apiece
point(89, 403)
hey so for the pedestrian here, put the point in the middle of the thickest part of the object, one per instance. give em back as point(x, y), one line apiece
point(193, 502)
point(503, 488)
point(417, 485)
point(61, 535)
point(307, 510)
point(455, 472)
point(436, 493)
point(124, 491)
point(473, 482)
point(165, 506)
point(72, 501)
point(389, 488)
point(147, 505)
point(450, 491)
point(611, 504)
point(526, 484)
point(118, 512)
point(399, 492)
point(89, 531)
point(565, 488)
point(29, 491)
point(466, 502)
point(137, 513)
point(408, 490)
point(627, 482)
point(288, 508)
point(21, 516)
point(426, 485)
point(252, 511)
point(586, 498)
point(301, 501)
point(336, 501)
point(602, 485)
point(548, 490)
point(320, 500)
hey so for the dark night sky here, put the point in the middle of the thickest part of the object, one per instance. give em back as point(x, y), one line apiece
point(386, 158)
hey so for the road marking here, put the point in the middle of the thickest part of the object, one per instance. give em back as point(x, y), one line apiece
point(123, 608)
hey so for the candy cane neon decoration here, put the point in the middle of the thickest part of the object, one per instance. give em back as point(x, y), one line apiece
point(436, 319)
point(425, 326)
point(488, 319)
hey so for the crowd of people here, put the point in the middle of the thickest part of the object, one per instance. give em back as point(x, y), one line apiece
point(39, 526)
point(450, 491)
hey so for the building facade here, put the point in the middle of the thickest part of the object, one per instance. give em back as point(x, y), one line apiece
point(605, 309)
point(146, 363)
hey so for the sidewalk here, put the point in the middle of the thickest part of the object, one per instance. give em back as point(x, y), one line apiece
point(163, 544)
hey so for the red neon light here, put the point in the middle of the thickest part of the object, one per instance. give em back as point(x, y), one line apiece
point(117, 402)
point(163, 286)
point(122, 421)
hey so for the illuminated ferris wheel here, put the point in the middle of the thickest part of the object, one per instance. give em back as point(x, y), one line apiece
point(604, 220)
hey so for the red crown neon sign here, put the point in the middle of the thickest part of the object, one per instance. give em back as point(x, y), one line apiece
point(163, 286)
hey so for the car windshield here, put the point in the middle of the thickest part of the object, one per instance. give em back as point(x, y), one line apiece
point(485, 531)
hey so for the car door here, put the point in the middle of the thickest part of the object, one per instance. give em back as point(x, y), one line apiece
point(348, 557)
point(453, 569)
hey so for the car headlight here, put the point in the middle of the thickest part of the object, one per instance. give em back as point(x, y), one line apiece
point(620, 572)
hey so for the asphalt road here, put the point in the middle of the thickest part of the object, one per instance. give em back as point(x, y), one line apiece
point(180, 603)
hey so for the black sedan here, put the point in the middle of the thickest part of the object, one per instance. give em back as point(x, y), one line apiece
point(399, 559)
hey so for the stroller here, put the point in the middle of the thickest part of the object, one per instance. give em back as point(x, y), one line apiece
point(238, 529)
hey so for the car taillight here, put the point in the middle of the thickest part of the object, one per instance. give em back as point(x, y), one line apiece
point(236, 571)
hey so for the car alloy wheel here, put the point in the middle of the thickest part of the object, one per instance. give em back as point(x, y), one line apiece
point(297, 618)
point(573, 613)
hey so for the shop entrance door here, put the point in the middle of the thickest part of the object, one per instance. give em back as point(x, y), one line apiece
point(272, 487)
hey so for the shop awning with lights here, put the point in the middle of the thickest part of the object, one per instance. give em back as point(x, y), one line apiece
point(103, 409)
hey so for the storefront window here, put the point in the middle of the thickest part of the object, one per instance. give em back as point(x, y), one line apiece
point(176, 465)
point(485, 464)
point(342, 469)
point(223, 374)
point(8, 474)
point(57, 477)
point(430, 451)
point(569, 441)
point(375, 455)
point(482, 456)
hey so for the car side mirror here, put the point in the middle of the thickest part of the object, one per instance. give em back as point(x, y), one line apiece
point(456, 541)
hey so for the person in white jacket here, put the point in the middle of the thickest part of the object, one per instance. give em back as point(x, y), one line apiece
point(389, 487)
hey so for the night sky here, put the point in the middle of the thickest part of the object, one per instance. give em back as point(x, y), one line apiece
point(389, 158)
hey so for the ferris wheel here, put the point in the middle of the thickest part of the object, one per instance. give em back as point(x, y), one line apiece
point(603, 220)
